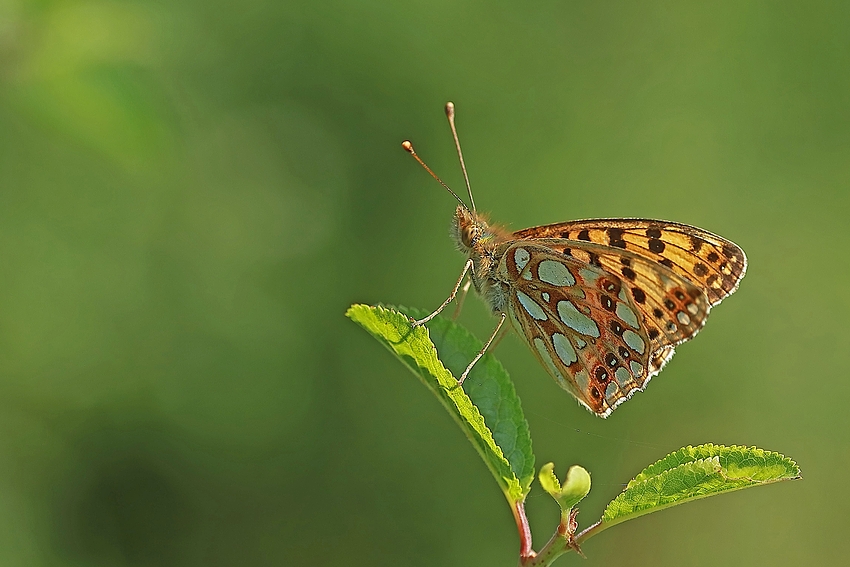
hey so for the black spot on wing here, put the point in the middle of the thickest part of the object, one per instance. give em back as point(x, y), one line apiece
point(696, 243)
point(615, 237)
point(656, 245)
point(616, 327)
point(601, 374)
point(610, 286)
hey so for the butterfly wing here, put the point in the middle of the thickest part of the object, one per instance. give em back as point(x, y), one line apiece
point(713, 263)
point(600, 335)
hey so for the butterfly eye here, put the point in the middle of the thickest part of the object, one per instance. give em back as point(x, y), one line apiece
point(467, 236)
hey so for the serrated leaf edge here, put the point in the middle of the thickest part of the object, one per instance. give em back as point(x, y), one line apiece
point(717, 468)
point(713, 450)
point(549, 481)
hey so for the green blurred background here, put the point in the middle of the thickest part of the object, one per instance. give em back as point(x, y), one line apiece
point(191, 194)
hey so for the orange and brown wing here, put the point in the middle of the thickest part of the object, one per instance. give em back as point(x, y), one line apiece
point(600, 335)
point(711, 262)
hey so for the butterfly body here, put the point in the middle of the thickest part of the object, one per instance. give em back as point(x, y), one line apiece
point(602, 302)
point(476, 239)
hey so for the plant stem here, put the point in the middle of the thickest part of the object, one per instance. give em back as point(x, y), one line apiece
point(589, 532)
point(559, 544)
point(524, 530)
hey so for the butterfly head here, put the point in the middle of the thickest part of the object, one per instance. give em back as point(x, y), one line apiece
point(466, 230)
point(472, 233)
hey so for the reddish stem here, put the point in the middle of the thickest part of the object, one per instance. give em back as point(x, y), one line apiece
point(525, 551)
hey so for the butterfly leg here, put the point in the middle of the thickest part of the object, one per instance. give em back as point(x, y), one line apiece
point(482, 351)
point(466, 268)
point(463, 292)
point(498, 340)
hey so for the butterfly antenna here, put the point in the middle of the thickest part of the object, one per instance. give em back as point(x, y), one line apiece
point(408, 147)
point(450, 114)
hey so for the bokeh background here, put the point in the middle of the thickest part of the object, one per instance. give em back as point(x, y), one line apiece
point(192, 193)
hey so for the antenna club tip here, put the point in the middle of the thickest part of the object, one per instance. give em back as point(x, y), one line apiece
point(408, 147)
point(450, 108)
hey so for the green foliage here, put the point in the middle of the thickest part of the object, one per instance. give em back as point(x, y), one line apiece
point(490, 414)
point(696, 472)
point(489, 411)
point(575, 487)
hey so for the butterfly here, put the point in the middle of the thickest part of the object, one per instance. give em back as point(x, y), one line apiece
point(602, 303)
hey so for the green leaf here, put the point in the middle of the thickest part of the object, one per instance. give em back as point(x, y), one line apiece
point(549, 481)
point(575, 488)
point(488, 412)
point(697, 472)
